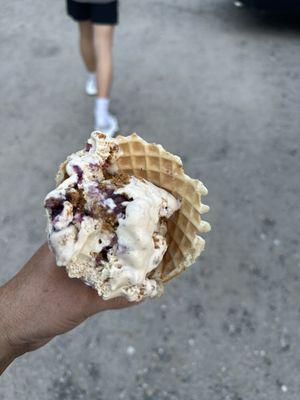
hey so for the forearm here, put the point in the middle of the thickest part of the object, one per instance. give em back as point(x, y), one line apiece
point(40, 302)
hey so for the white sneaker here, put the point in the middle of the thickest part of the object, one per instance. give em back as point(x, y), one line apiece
point(110, 128)
point(91, 85)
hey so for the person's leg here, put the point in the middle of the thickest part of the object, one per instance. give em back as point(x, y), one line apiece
point(104, 17)
point(103, 38)
point(81, 13)
point(86, 43)
point(87, 49)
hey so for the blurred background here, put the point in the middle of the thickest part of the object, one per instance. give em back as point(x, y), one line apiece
point(219, 86)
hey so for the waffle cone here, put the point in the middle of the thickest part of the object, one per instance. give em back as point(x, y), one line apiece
point(152, 162)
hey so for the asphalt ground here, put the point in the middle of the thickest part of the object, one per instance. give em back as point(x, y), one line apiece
point(218, 86)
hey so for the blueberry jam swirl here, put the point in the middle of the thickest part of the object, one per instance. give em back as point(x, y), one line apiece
point(79, 172)
point(118, 201)
point(55, 206)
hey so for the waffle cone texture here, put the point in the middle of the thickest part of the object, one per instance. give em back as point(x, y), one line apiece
point(152, 162)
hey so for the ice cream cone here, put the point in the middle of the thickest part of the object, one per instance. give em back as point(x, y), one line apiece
point(152, 162)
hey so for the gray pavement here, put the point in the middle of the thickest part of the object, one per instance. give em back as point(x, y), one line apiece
point(220, 87)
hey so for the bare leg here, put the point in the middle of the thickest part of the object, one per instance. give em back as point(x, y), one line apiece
point(87, 45)
point(103, 38)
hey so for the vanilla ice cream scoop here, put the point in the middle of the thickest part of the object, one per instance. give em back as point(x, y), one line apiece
point(108, 228)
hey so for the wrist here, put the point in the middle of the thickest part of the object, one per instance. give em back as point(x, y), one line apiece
point(8, 352)
point(10, 348)
point(7, 355)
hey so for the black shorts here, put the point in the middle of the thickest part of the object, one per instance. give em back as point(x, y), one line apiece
point(105, 13)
